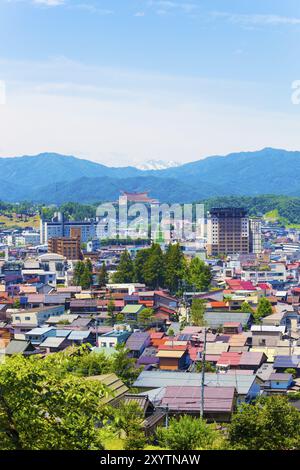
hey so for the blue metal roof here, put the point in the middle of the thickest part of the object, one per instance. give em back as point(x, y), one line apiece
point(285, 362)
point(78, 335)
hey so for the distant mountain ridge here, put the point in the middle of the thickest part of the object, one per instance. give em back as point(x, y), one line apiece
point(157, 165)
point(55, 178)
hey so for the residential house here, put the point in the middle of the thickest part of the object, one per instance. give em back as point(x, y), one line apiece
point(117, 389)
point(267, 336)
point(112, 338)
point(173, 358)
point(278, 383)
point(216, 320)
point(17, 346)
point(137, 343)
point(245, 384)
point(219, 402)
point(37, 335)
point(131, 312)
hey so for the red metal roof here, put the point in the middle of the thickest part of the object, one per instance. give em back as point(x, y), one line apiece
point(230, 358)
point(188, 398)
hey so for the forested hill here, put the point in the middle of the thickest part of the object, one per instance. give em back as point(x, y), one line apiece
point(281, 208)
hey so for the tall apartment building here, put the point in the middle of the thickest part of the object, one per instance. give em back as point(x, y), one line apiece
point(58, 227)
point(230, 231)
point(70, 248)
point(255, 239)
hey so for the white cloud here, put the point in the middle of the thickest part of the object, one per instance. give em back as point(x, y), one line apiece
point(255, 19)
point(163, 6)
point(49, 3)
point(120, 116)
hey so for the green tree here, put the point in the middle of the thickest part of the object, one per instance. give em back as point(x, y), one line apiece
point(208, 367)
point(198, 275)
point(103, 275)
point(188, 433)
point(145, 317)
point(124, 366)
point(246, 308)
point(171, 332)
point(111, 312)
point(44, 408)
point(154, 267)
point(139, 264)
point(78, 272)
point(264, 308)
point(128, 420)
point(271, 424)
point(125, 271)
point(174, 267)
point(197, 312)
point(86, 279)
point(17, 303)
point(83, 274)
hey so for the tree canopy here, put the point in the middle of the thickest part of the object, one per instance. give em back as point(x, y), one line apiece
point(271, 424)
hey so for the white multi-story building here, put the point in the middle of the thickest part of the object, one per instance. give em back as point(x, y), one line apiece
point(58, 228)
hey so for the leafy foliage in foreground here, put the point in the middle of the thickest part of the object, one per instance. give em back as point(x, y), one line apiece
point(271, 424)
point(41, 407)
point(49, 403)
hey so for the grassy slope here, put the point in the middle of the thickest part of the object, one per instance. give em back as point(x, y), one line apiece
point(14, 222)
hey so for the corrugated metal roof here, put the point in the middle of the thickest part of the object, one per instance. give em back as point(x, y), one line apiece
point(40, 331)
point(17, 346)
point(114, 384)
point(286, 362)
point(216, 399)
point(216, 348)
point(230, 358)
point(132, 308)
point(79, 335)
point(137, 340)
point(171, 354)
point(238, 340)
point(280, 377)
point(158, 379)
point(216, 319)
point(251, 358)
point(52, 342)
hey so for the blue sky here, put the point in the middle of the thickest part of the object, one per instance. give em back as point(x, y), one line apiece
point(124, 81)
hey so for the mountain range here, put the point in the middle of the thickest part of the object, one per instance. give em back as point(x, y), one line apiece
point(55, 178)
point(156, 165)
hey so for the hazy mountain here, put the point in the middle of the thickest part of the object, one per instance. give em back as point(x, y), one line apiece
point(88, 190)
point(47, 168)
point(52, 177)
point(268, 171)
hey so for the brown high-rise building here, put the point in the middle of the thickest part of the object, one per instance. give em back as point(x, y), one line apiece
point(228, 232)
point(75, 232)
point(70, 248)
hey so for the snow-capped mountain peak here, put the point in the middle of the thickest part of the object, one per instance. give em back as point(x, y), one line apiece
point(156, 165)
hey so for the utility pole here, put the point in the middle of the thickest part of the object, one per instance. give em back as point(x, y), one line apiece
point(167, 416)
point(290, 341)
point(96, 320)
point(203, 375)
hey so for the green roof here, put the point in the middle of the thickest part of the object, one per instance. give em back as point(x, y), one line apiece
point(113, 383)
point(17, 346)
point(132, 308)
